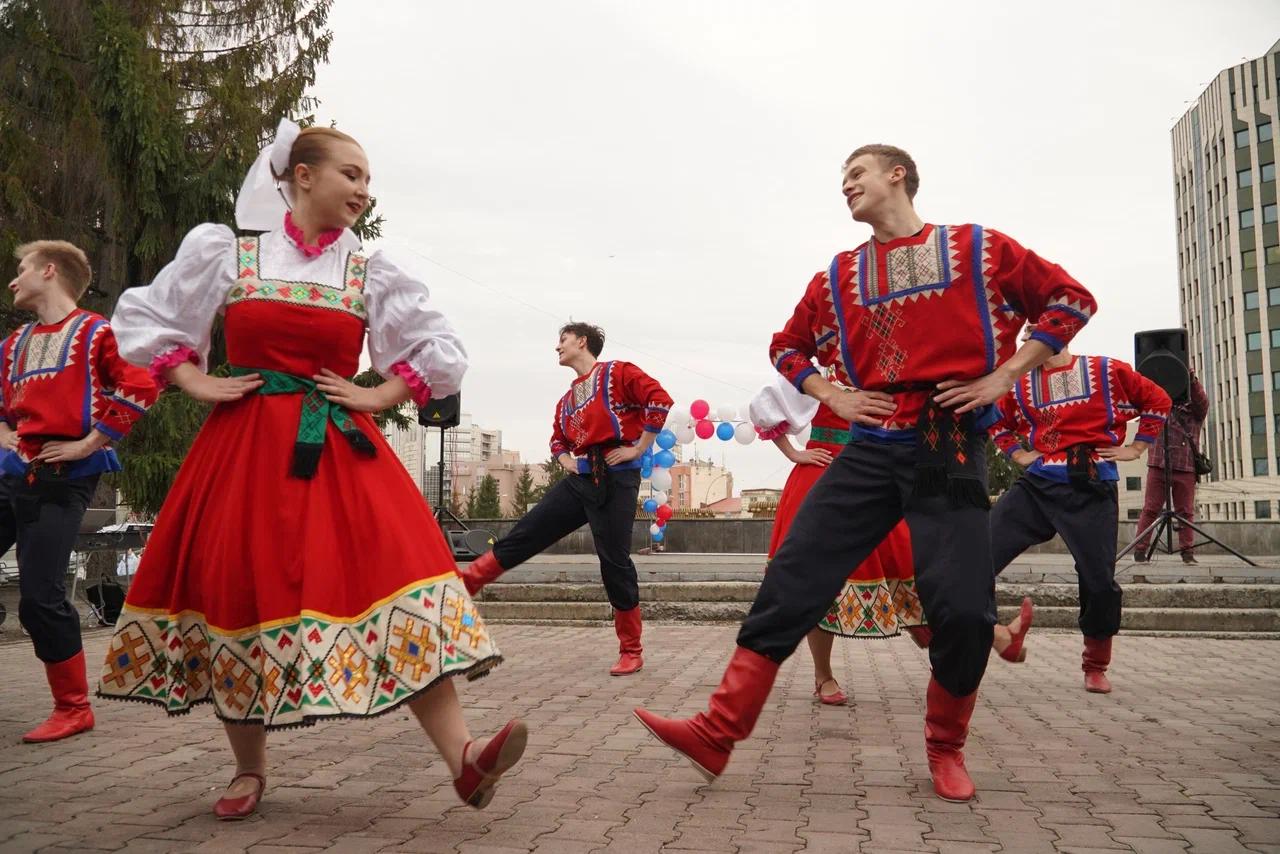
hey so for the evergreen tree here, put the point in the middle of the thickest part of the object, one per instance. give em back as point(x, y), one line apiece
point(1001, 471)
point(524, 493)
point(483, 502)
point(555, 474)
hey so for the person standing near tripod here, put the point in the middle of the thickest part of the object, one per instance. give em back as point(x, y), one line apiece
point(1185, 422)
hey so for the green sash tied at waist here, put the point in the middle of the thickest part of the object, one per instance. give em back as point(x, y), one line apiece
point(317, 410)
point(829, 435)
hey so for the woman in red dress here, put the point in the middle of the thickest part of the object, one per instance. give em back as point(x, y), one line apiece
point(295, 572)
point(879, 598)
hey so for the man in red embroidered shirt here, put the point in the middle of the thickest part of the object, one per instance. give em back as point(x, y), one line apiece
point(603, 425)
point(921, 321)
point(65, 395)
point(1072, 411)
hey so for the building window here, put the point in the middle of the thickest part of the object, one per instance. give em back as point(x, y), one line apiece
point(1250, 300)
point(1249, 259)
point(1275, 380)
point(1132, 513)
point(1268, 171)
point(1242, 138)
point(1275, 338)
point(1273, 296)
point(1132, 484)
point(1246, 218)
point(1273, 254)
point(1259, 423)
point(1255, 382)
point(1269, 213)
point(1262, 509)
point(1264, 132)
point(1244, 178)
point(1253, 341)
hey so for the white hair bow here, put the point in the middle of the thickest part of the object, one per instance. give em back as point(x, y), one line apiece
point(263, 200)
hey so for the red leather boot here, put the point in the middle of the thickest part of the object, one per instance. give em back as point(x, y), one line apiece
point(628, 627)
point(1097, 655)
point(479, 776)
point(922, 635)
point(71, 711)
point(946, 725)
point(707, 738)
point(480, 572)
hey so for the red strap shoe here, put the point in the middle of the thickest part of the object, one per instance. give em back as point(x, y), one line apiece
point(628, 626)
point(1015, 651)
point(946, 726)
point(235, 809)
point(476, 783)
point(707, 739)
point(71, 711)
point(835, 698)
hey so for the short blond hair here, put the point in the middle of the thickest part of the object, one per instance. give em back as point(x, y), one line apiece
point(891, 156)
point(72, 264)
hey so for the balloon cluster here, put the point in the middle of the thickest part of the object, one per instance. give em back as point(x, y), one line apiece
point(682, 427)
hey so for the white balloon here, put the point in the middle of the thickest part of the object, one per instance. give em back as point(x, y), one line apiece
point(678, 417)
point(744, 412)
point(654, 528)
point(661, 479)
point(660, 497)
point(726, 413)
point(744, 433)
point(686, 434)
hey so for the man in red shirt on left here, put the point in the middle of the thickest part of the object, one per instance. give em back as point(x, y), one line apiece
point(65, 395)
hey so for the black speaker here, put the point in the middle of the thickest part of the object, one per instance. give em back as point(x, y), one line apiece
point(442, 412)
point(469, 545)
point(1160, 355)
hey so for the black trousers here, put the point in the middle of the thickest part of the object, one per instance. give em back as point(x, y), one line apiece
point(565, 508)
point(44, 520)
point(863, 494)
point(1087, 518)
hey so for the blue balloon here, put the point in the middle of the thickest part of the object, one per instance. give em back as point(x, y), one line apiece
point(666, 459)
point(646, 469)
point(649, 505)
point(659, 537)
point(666, 440)
point(648, 454)
point(724, 430)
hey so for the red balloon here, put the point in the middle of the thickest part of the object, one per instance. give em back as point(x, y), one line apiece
point(704, 429)
point(664, 513)
point(699, 409)
point(661, 523)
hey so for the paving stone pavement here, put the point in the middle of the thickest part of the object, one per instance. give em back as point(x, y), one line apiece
point(1183, 756)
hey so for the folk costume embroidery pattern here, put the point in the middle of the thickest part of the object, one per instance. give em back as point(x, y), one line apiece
point(250, 285)
point(315, 667)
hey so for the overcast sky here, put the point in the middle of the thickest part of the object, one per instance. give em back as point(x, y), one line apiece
point(671, 171)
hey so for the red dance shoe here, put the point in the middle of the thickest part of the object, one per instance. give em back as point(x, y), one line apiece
point(946, 726)
point(1094, 661)
point(835, 698)
point(71, 711)
point(628, 628)
point(1015, 651)
point(476, 784)
point(707, 739)
point(235, 809)
point(480, 572)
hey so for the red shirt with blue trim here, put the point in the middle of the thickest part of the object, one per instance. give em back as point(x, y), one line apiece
point(1085, 402)
point(609, 405)
point(62, 380)
point(944, 304)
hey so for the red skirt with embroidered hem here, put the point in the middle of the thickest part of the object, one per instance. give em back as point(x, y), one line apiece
point(879, 597)
point(285, 600)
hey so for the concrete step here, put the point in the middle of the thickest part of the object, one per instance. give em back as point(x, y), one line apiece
point(1167, 596)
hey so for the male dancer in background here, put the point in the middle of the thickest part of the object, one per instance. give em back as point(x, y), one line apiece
point(923, 320)
point(1072, 411)
point(611, 414)
point(65, 395)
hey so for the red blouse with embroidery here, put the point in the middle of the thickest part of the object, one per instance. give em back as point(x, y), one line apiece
point(943, 304)
point(612, 403)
